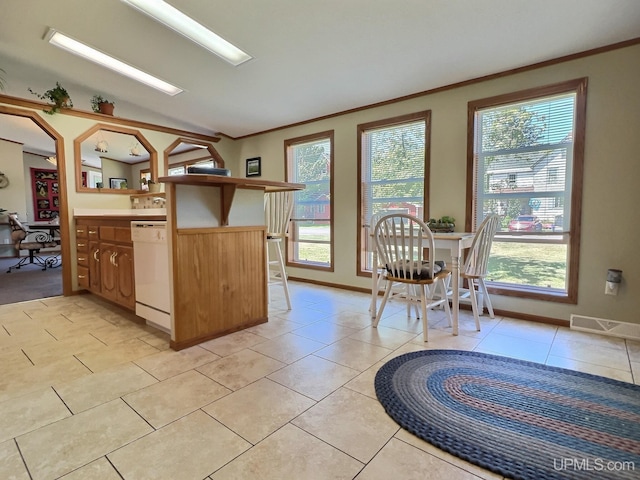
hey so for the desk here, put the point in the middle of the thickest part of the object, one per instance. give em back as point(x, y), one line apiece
point(455, 242)
point(51, 228)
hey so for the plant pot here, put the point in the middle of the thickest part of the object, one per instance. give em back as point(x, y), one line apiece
point(441, 227)
point(154, 188)
point(106, 108)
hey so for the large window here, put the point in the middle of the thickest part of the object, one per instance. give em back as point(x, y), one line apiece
point(310, 161)
point(393, 171)
point(526, 166)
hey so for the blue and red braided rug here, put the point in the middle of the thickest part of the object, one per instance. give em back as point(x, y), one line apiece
point(522, 420)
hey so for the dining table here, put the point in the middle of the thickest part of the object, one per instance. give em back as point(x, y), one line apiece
point(455, 243)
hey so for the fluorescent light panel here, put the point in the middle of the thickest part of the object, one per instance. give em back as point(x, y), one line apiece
point(188, 27)
point(67, 43)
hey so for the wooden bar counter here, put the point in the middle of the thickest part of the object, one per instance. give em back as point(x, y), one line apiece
point(217, 240)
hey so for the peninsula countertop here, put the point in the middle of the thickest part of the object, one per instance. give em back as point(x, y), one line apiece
point(235, 182)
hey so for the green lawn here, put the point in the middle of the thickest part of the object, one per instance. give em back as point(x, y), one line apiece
point(528, 264)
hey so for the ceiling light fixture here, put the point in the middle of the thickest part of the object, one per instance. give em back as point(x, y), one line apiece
point(67, 43)
point(102, 146)
point(53, 161)
point(188, 27)
point(134, 151)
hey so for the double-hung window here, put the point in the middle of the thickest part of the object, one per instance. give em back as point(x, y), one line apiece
point(394, 174)
point(526, 164)
point(310, 161)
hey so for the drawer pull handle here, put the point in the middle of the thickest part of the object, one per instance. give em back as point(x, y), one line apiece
point(82, 276)
point(95, 255)
point(82, 244)
point(81, 259)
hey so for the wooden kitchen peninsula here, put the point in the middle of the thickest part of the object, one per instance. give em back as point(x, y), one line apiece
point(218, 264)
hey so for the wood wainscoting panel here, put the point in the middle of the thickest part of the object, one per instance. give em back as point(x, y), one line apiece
point(220, 282)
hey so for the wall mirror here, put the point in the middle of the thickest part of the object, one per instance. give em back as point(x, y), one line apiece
point(113, 159)
point(185, 152)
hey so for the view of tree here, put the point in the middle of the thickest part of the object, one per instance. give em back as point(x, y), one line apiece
point(397, 165)
point(510, 128)
point(313, 168)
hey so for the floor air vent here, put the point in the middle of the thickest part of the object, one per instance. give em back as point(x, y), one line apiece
point(605, 327)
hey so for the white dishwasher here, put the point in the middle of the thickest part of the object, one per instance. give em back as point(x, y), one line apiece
point(151, 262)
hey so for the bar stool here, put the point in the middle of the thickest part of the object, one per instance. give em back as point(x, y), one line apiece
point(277, 208)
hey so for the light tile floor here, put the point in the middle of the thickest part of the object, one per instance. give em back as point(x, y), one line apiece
point(87, 392)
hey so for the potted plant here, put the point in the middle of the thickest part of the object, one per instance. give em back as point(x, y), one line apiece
point(153, 187)
point(58, 98)
point(99, 104)
point(443, 224)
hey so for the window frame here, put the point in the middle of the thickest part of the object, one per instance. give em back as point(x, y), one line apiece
point(362, 128)
point(288, 168)
point(579, 87)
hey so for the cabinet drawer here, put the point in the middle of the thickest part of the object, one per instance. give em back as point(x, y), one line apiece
point(116, 234)
point(83, 258)
point(93, 233)
point(82, 232)
point(83, 277)
point(82, 245)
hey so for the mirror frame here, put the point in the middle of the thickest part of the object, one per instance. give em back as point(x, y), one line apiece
point(77, 142)
point(210, 148)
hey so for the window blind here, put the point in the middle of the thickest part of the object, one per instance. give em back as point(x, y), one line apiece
point(524, 153)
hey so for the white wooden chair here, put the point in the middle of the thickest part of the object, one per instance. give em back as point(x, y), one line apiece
point(278, 207)
point(406, 249)
point(476, 265)
point(381, 275)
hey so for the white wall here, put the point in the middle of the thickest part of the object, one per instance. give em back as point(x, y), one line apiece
point(12, 198)
point(611, 196)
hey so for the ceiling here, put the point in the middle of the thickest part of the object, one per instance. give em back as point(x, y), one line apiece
point(310, 58)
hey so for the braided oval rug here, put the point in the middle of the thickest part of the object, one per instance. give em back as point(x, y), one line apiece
point(522, 420)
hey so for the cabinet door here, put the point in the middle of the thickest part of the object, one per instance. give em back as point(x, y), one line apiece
point(94, 267)
point(108, 271)
point(125, 276)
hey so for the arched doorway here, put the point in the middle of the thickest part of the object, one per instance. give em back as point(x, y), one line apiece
point(62, 186)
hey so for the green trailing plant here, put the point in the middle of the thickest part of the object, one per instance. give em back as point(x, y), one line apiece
point(57, 97)
point(2, 80)
point(444, 223)
point(96, 100)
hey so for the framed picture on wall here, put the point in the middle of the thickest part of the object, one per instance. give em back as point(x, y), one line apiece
point(46, 204)
point(254, 168)
point(117, 182)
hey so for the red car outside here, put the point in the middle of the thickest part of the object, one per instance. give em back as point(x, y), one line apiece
point(525, 223)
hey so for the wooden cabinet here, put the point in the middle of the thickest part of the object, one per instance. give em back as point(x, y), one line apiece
point(105, 257)
point(117, 274)
point(82, 255)
point(94, 266)
point(217, 238)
